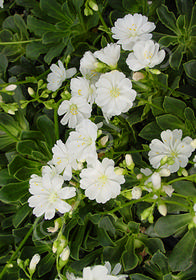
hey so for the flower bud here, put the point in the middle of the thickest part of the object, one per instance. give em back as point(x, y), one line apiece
point(146, 213)
point(64, 257)
point(155, 71)
point(20, 263)
point(93, 5)
point(11, 87)
point(119, 171)
point(33, 263)
point(156, 180)
point(136, 193)
point(165, 172)
point(184, 172)
point(138, 76)
point(55, 228)
point(104, 140)
point(194, 219)
point(99, 132)
point(139, 176)
point(170, 161)
point(164, 160)
point(31, 91)
point(59, 244)
point(162, 209)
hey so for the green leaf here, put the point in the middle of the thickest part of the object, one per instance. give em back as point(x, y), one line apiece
point(9, 125)
point(54, 52)
point(174, 106)
point(158, 102)
point(176, 57)
point(185, 187)
point(49, 133)
point(135, 115)
point(167, 18)
point(190, 69)
point(5, 178)
point(106, 224)
point(26, 147)
point(179, 259)
point(168, 40)
point(150, 131)
point(169, 121)
point(52, 37)
point(185, 8)
point(190, 119)
point(181, 23)
point(21, 214)
point(160, 260)
point(14, 191)
point(153, 245)
point(113, 254)
point(34, 49)
point(53, 9)
point(25, 173)
point(129, 258)
point(5, 238)
point(3, 63)
point(39, 27)
point(46, 264)
point(76, 242)
point(138, 276)
point(166, 226)
point(19, 22)
point(19, 162)
point(193, 16)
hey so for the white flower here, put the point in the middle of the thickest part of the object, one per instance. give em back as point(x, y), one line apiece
point(1, 3)
point(82, 141)
point(76, 109)
point(33, 263)
point(63, 160)
point(80, 86)
point(109, 55)
point(99, 272)
point(48, 195)
point(145, 54)
point(168, 190)
point(114, 94)
point(164, 172)
point(59, 75)
point(194, 160)
point(100, 182)
point(88, 66)
point(132, 28)
point(173, 147)
point(136, 193)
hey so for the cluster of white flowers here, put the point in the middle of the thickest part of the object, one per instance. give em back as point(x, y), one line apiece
point(98, 272)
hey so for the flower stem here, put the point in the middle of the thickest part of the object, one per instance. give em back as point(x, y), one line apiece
point(189, 178)
point(18, 249)
point(20, 42)
point(105, 26)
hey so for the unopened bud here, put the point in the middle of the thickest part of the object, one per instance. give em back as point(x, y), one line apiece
point(155, 71)
point(33, 263)
point(138, 76)
point(99, 132)
point(193, 143)
point(11, 112)
point(20, 263)
point(11, 87)
point(194, 219)
point(30, 91)
point(139, 176)
point(165, 172)
point(156, 180)
point(104, 140)
point(65, 254)
point(146, 213)
point(80, 165)
point(136, 193)
point(119, 171)
point(128, 159)
point(184, 172)
point(162, 209)
point(164, 160)
point(170, 161)
point(93, 5)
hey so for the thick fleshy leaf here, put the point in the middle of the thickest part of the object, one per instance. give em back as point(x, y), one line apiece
point(167, 18)
point(190, 69)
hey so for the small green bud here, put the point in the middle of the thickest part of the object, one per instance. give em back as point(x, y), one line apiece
point(20, 263)
point(64, 257)
point(66, 95)
point(164, 160)
point(147, 213)
point(155, 71)
point(93, 5)
point(170, 161)
point(33, 263)
point(31, 92)
point(88, 11)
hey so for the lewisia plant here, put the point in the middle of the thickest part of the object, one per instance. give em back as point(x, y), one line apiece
point(87, 173)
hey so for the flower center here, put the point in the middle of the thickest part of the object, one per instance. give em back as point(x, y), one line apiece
point(73, 109)
point(174, 154)
point(53, 197)
point(147, 55)
point(102, 180)
point(133, 30)
point(115, 92)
